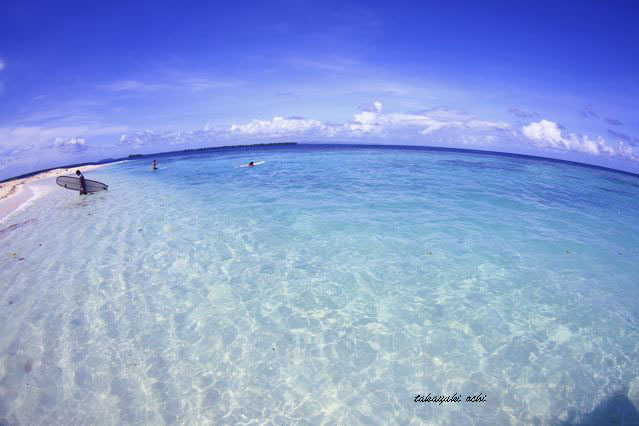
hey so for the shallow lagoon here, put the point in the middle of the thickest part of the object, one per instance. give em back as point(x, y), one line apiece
point(330, 284)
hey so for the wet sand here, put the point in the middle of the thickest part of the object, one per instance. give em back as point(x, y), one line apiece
point(18, 192)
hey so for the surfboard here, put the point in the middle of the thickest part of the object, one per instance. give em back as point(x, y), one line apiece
point(257, 163)
point(72, 182)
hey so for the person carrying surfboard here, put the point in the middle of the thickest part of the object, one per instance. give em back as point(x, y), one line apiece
point(83, 183)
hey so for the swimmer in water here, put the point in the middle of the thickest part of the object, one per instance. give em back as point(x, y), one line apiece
point(154, 165)
point(250, 164)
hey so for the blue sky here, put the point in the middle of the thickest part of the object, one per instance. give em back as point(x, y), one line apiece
point(82, 81)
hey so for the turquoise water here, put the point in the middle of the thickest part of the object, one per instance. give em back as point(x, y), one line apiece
point(328, 285)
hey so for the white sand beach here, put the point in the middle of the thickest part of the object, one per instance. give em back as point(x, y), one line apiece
point(16, 193)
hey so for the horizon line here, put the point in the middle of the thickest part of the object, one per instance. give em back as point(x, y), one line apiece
point(311, 143)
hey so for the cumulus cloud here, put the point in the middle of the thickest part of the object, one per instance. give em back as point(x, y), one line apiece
point(371, 121)
point(27, 148)
point(20, 136)
point(281, 126)
point(517, 112)
point(147, 137)
point(543, 131)
point(43, 137)
point(546, 133)
point(423, 122)
point(68, 145)
point(613, 121)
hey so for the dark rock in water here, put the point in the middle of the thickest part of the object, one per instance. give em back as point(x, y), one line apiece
point(28, 366)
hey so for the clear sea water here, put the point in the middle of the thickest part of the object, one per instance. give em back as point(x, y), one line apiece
point(328, 285)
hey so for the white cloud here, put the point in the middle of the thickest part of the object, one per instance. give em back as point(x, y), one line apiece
point(70, 144)
point(546, 133)
point(139, 139)
point(25, 146)
point(165, 139)
point(15, 137)
point(423, 122)
point(371, 121)
point(281, 126)
point(43, 137)
point(28, 148)
point(544, 130)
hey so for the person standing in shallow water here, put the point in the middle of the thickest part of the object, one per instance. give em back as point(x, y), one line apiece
point(154, 165)
point(83, 182)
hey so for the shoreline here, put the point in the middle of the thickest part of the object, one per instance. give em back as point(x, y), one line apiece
point(140, 156)
point(17, 193)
